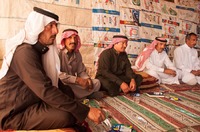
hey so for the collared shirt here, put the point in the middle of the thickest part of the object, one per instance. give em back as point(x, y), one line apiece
point(72, 67)
point(111, 65)
point(158, 61)
point(186, 58)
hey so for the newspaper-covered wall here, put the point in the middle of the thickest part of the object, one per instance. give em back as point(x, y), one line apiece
point(98, 20)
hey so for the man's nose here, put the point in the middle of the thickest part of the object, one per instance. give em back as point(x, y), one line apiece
point(72, 40)
point(55, 29)
point(163, 46)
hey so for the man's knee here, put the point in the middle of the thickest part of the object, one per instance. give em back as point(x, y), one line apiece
point(113, 92)
point(49, 118)
point(65, 119)
point(139, 78)
point(58, 119)
point(96, 84)
point(111, 88)
point(189, 79)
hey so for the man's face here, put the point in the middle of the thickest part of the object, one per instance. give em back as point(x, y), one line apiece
point(192, 41)
point(160, 46)
point(71, 42)
point(48, 35)
point(121, 46)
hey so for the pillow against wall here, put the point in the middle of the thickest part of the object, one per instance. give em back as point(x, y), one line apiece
point(148, 80)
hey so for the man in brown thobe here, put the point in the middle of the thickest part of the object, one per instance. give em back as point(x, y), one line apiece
point(114, 69)
point(73, 71)
point(29, 96)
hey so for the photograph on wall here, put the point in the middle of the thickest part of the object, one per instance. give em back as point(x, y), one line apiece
point(170, 31)
point(136, 2)
point(151, 5)
point(189, 15)
point(168, 8)
point(86, 36)
point(105, 4)
point(150, 31)
point(188, 3)
point(131, 31)
point(187, 27)
point(152, 18)
point(129, 16)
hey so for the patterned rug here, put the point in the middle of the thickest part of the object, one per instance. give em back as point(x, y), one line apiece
point(149, 114)
point(153, 114)
point(180, 87)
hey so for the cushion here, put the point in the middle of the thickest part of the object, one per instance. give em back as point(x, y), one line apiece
point(148, 80)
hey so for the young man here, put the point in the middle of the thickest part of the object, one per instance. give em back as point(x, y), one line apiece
point(73, 71)
point(187, 62)
point(155, 61)
point(29, 99)
point(114, 69)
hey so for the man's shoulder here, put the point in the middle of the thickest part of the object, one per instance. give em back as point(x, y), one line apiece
point(179, 48)
point(106, 52)
point(78, 55)
point(24, 49)
point(24, 46)
point(153, 53)
point(124, 54)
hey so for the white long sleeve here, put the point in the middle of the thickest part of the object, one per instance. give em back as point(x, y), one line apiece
point(186, 58)
point(158, 61)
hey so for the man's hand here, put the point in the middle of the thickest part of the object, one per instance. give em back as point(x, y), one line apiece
point(196, 72)
point(170, 72)
point(96, 115)
point(132, 85)
point(90, 86)
point(125, 88)
point(82, 82)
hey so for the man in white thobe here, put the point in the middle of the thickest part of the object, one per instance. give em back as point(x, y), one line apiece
point(156, 62)
point(187, 62)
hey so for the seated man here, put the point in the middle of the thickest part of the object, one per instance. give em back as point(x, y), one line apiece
point(73, 71)
point(29, 99)
point(114, 69)
point(187, 62)
point(155, 61)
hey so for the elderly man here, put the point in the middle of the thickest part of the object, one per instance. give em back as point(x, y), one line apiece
point(114, 69)
point(155, 61)
point(187, 62)
point(73, 71)
point(29, 99)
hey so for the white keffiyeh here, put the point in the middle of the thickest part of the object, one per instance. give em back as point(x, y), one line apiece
point(34, 25)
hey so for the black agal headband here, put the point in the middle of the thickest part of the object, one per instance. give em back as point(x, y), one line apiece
point(120, 36)
point(46, 13)
point(160, 39)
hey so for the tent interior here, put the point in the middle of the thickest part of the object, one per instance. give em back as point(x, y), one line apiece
point(97, 21)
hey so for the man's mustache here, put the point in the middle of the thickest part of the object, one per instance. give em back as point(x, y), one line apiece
point(53, 36)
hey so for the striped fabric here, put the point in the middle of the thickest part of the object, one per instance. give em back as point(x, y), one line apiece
point(150, 114)
point(154, 114)
point(180, 87)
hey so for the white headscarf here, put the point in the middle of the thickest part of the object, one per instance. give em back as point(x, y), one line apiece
point(34, 25)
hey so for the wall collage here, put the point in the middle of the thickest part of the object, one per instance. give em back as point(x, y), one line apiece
point(140, 20)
